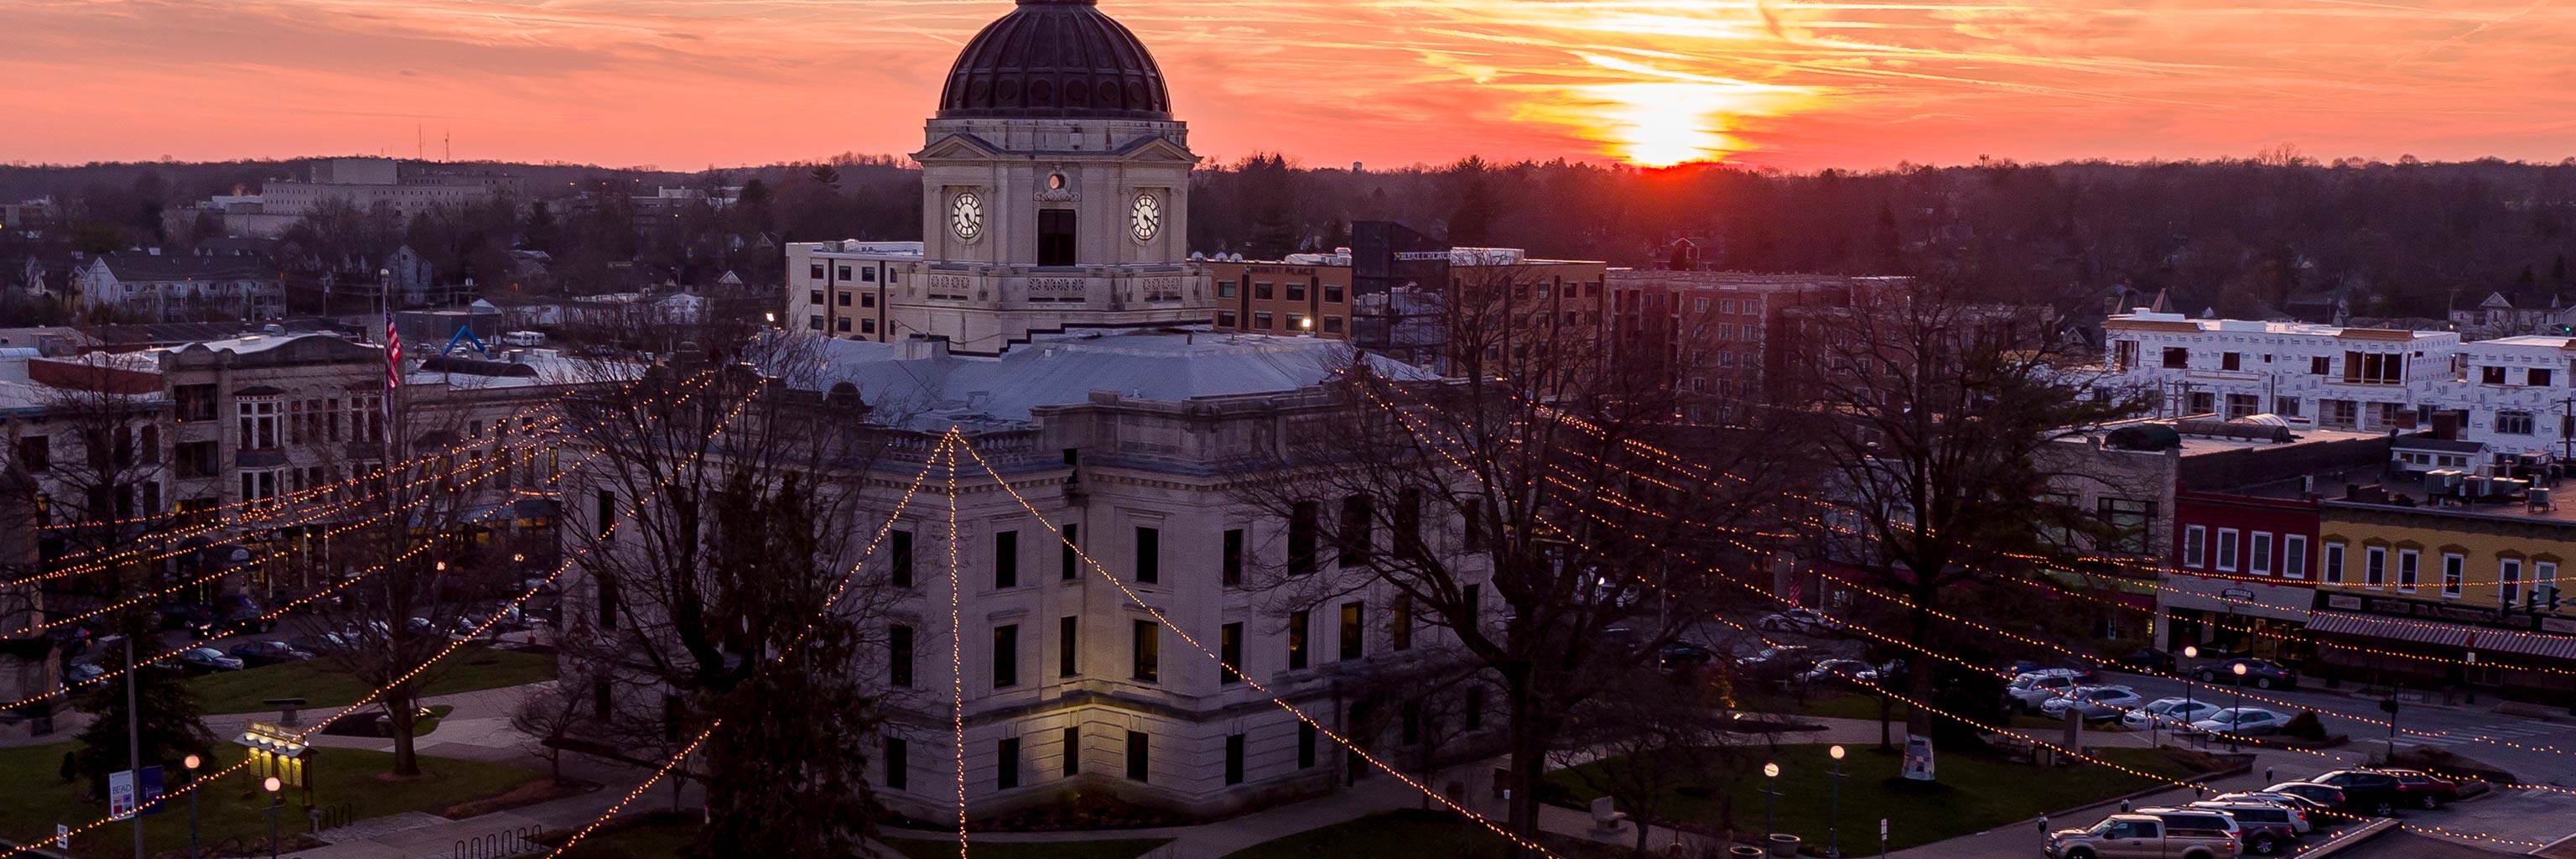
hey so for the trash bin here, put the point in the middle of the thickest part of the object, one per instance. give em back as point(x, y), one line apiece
point(1743, 852)
point(1783, 844)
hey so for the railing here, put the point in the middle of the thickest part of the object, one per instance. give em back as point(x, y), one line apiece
point(507, 842)
point(332, 816)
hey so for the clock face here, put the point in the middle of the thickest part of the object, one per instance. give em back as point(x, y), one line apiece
point(1147, 217)
point(966, 215)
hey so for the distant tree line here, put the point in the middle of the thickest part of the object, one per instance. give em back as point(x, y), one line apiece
point(2241, 236)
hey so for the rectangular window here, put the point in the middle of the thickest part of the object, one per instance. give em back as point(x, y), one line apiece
point(2195, 540)
point(2452, 568)
point(1261, 290)
point(1356, 536)
point(1227, 289)
point(2374, 567)
point(1068, 643)
point(2509, 581)
point(898, 765)
point(1296, 291)
point(899, 656)
point(1303, 519)
point(2320, 366)
point(1473, 597)
point(1352, 632)
point(1332, 293)
point(2177, 358)
point(1072, 555)
point(1305, 745)
point(2406, 569)
point(2231, 361)
point(1401, 627)
point(1007, 764)
point(2513, 423)
point(844, 272)
point(607, 598)
point(1234, 759)
point(1261, 320)
point(2227, 550)
point(1226, 318)
point(2294, 556)
point(1006, 559)
point(1136, 762)
point(2333, 571)
point(1332, 325)
point(899, 557)
point(1006, 656)
point(1471, 517)
point(1297, 623)
point(2258, 554)
point(1148, 652)
point(1229, 652)
point(1230, 562)
point(2491, 375)
point(1149, 555)
point(606, 513)
point(2132, 517)
point(2544, 581)
point(1072, 751)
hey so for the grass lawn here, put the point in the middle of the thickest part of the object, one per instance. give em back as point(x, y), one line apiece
point(234, 808)
point(1410, 834)
point(469, 669)
point(1983, 793)
point(1122, 848)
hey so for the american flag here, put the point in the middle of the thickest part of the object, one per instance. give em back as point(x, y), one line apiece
point(393, 355)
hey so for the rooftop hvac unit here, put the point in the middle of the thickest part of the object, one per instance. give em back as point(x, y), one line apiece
point(2439, 482)
point(2539, 499)
point(2511, 486)
point(2479, 486)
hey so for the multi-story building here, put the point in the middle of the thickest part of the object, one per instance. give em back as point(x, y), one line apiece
point(1036, 320)
point(371, 183)
point(152, 287)
point(1374, 292)
point(1712, 330)
point(2453, 583)
point(2365, 379)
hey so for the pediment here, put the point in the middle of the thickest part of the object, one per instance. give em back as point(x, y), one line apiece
point(957, 146)
point(1158, 149)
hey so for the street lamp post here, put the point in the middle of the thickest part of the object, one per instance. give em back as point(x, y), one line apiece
point(1770, 796)
point(2189, 709)
point(2239, 711)
point(1834, 818)
point(275, 802)
point(193, 762)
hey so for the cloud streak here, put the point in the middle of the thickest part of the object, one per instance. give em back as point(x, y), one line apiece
point(688, 83)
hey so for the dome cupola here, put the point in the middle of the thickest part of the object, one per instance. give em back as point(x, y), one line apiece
point(1056, 59)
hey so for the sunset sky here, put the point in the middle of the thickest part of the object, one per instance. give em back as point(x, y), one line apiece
point(684, 84)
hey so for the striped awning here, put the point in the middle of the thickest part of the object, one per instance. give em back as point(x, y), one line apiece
point(2393, 629)
point(2538, 644)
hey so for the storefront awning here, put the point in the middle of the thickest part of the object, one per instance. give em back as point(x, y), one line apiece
point(2233, 596)
point(2393, 629)
point(2526, 644)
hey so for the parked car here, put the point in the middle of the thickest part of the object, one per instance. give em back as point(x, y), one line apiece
point(2031, 690)
point(2265, 827)
point(2242, 722)
point(2161, 833)
point(208, 659)
point(82, 672)
point(257, 653)
point(2260, 674)
point(1797, 620)
point(2173, 712)
point(195, 619)
point(2153, 660)
point(241, 615)
point(2094, 703)
point(1839, 671)
point(2422, 789)
point(1683, 656)
point(2308, 807)
point(321, 642)
point(2364, 790)
point(2082, 673)
point(1776, 663)
point(2331, 797)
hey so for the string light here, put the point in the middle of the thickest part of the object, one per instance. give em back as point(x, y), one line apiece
point(956, 641)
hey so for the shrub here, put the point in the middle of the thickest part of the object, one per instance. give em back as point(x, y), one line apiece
point(2305, 726)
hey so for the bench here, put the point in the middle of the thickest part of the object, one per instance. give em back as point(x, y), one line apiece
point(1604, 817)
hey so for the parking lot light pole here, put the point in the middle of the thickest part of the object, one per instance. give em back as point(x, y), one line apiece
point(1770, 794)
point(2240, 705)
point(1834, 818)
point(2189, 709)
point(192, 762)
point(275, 802)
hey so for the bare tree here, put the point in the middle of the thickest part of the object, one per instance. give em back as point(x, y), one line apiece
point(1515, 506)
point(1933, 413)
point(1655, 735)
point(548, 714)
point(724, 513)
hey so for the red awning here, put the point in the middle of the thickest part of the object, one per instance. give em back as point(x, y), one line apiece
point(2393, 629)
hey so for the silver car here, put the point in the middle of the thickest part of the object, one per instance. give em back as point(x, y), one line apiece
point(2242, 722)
point(2093, 703)
point(2172, 712)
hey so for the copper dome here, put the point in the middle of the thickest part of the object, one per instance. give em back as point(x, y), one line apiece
point(1056, 59)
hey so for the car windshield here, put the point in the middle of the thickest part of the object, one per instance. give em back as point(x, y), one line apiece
point(204, 653)
point(2104, 827)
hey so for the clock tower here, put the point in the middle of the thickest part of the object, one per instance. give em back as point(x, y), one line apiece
point(1055, 189)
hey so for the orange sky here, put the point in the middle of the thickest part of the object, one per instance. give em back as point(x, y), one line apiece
point(684, 84)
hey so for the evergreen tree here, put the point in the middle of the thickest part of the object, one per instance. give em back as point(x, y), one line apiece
point(169, 725)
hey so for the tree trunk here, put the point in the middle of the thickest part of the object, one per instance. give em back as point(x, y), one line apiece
point(1643, 824)
point(400, 708)
point(1886, 715)
point(1528, 746)
point(1918, 682)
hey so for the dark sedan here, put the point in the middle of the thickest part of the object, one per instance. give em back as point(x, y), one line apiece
point(258, 653)
point(2365, 791)
point(2260, 674)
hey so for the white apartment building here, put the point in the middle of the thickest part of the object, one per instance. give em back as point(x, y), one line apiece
point(2515, 393)
point(368, 183)
point(2363, 379)
point(847, 288)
